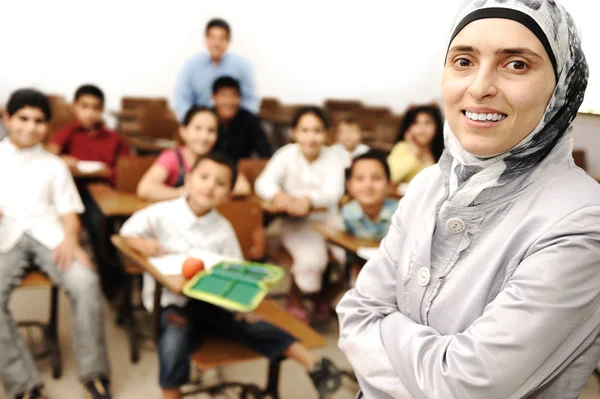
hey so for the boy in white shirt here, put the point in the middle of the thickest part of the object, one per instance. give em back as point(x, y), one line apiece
point(349, 141)
point(39, 226)
point(180, 225)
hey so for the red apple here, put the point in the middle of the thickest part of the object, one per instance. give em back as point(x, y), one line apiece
point(191, 267)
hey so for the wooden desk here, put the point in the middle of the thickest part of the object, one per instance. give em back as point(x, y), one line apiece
point(115, 203)
point(269, 208)
point(343, 239)
point(267, 310)
point(100, 174)
point(149, 144)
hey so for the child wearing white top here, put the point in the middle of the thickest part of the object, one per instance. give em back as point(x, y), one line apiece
point(349, 143)
point(299, 178)
point(39, 226)
point(180, 225)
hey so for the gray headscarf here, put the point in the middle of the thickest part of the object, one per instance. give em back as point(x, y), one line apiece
point(468, 174)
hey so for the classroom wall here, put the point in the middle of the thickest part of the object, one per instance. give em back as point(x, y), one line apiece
point(384, 52)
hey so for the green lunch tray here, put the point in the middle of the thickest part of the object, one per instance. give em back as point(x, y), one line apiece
point(239, 286)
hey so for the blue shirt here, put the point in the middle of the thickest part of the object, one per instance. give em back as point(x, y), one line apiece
point(361, 226)
point(194, 85)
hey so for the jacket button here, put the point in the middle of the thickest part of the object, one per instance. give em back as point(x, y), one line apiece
point(455, 225)
point(423, 276)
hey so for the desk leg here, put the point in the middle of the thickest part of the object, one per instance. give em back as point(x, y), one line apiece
point(273, 382)
point(156, 311)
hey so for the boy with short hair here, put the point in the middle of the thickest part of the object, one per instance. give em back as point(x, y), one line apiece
point(179, 225)
point(349, 140)
point(241, 134)
point(369, 214)
point(88, 139)
point(39, 226)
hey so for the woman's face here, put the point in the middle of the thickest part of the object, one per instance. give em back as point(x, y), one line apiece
point(422, 131)
point(310, 134)
point(497, 82)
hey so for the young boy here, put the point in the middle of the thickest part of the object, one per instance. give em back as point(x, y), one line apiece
point(349, 140)
point(39, 227)
point(369, 214)
point(88, 139)
point(177, 226)
point(241, 134)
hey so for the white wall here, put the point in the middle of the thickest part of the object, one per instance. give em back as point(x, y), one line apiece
point(385, 52)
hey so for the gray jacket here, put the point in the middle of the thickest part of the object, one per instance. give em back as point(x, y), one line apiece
point(497, 300)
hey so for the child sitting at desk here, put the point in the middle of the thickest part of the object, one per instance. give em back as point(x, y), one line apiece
point(165, 179)
point(39, 227)
point(369, 214)
point(88, 139)
point(179, 225)
point(301, 176)
point(349, 140)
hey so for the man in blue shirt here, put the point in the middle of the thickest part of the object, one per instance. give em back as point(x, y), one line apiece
point(194, 85)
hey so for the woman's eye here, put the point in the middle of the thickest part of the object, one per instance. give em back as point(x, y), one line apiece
point(462, 62)
point(518, 65)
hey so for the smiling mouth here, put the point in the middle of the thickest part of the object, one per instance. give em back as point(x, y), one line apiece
point(481, 117)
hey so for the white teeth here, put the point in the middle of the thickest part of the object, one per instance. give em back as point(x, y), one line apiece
point(484, 117)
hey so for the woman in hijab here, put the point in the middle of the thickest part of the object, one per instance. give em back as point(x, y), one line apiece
point(488, 282)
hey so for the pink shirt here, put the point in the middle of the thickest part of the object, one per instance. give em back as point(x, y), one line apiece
point(169, 161)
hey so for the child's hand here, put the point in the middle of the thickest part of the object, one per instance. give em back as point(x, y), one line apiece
point(282, 202)
point(300, 207)
point(66, 252)
point(150, 247)
point(70, 161)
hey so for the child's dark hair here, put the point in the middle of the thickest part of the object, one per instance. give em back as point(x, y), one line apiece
point(89, 90)
point(22, 98)
point(316, 111)
point(218, 23)
point(348, 120)
point(375, 156)
point(226, 82)
point(410, 117)
point(196, 109)
point(222, 159)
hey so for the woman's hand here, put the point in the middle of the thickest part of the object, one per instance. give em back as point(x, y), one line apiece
point(149, 247)
point(282, 202)
point(300, 207)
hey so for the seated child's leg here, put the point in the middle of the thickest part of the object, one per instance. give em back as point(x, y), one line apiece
point(17, 367)
point(104, 252)
point(178, 339)
point(80, 283)
point(309, 252)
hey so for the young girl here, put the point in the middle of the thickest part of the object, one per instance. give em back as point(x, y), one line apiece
point(300, 177)
point(420, 143)
point(198, 132)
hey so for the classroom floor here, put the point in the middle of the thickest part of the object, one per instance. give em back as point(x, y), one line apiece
point(140, 380)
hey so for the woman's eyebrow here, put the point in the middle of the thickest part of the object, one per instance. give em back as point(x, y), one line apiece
point(518, 51)
point(464, 49)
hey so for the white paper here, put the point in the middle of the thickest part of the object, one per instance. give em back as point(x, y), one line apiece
point(367, 252)
point(90, 166)
point(170, 265)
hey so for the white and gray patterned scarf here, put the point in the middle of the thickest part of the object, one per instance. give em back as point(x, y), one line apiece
point(468, 174)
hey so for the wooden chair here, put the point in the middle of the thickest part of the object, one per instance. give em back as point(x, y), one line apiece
point(129, 171)
point(580, 159)
point(251, 168)
point(49, 330)
point(62, 115)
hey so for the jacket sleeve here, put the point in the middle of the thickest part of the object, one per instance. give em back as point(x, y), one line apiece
point(546, 315)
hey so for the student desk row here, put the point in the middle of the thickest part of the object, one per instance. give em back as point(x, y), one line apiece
point(218, 351)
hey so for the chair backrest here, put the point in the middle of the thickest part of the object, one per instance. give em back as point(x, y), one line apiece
point(129, 172)
point(161, 125)
point(251, 168)
point(62, 115)
point(246, 217)
point(155, 103)
point(580, 159)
